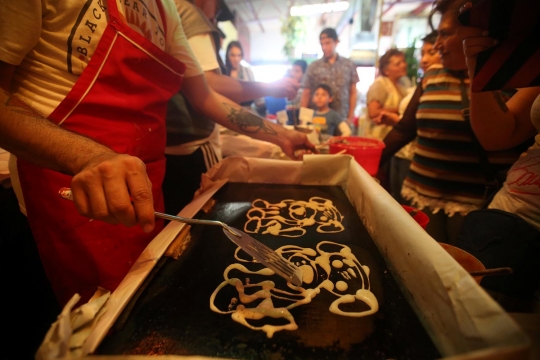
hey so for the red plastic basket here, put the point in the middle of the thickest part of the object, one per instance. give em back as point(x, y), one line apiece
point(366, 151)
point(421, 217)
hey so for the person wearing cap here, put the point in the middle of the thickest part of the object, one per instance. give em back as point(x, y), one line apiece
point(337, 72)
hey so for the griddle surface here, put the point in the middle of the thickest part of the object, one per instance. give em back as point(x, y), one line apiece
point(171, 313)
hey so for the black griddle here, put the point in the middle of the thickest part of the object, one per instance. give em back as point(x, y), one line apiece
point(170, 315)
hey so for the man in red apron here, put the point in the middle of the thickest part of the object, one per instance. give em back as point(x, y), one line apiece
point(79, 253)
point(119, 101)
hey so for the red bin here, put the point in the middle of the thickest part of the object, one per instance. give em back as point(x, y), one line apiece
point(366, 151)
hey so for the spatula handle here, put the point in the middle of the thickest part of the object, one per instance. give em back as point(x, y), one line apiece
point(66, 193)
point(195, 221)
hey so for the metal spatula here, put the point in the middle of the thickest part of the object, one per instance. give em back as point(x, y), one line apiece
point(258, 250)
point(266, 256)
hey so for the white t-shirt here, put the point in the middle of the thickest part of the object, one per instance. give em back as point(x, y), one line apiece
point(52, 41)
point(520, 193)
point(201, 45)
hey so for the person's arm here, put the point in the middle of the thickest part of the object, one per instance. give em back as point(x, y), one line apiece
point(498, 125)
point(204, 50)
point(376, 97)
point(405, 130)
point(344, 129)
point(306, 96)
point(353, 93)
point(306, 87)
point(353, 98)
point(389, 117)
point(240, 91)
point(103, 180)
point(374, 109)
point(382, 116)
point(235, 117)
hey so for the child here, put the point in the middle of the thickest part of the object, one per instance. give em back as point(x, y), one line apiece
point(328, 120)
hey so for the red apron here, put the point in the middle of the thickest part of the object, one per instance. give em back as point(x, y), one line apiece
point(120, 100)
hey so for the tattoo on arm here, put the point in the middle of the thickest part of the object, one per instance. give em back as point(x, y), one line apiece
point(247, 121)
point(500, 100)
point(19, 107)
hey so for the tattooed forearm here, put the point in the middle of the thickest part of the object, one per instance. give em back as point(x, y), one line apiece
point(18, 106)
point(500, 100)
point(247, 121)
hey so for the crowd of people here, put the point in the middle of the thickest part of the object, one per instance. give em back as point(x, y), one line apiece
point(71, 116)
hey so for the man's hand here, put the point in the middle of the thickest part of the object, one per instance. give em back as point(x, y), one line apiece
point(475, 40)
point(286, 87)
point(389, 118)
point(386, 118)
point(104, 181)
point(115, 188)
point(351, 121)
point(295, 144)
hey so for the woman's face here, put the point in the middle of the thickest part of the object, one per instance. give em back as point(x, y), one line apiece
point(396, 68)
point(430, 56)
point(449, 45)
point(235, 56)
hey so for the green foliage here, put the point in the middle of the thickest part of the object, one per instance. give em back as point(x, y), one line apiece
point(412, 61)
point(294, 31)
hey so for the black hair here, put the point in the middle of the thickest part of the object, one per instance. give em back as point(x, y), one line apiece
point(325, 88)
point(223, 12)
point(302, 64)
point(329, 32)
point(384, 61)
point(444, 6)
point(229, 47)
point(431, 37)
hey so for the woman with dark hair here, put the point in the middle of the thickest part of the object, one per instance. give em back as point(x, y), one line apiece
point(386, 92)
point(445, 178)
point(401, 161)
point(383, 98)
point(233, 58)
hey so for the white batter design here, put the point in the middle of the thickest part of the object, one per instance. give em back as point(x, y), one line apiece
point(331, 266)
point(290, 217)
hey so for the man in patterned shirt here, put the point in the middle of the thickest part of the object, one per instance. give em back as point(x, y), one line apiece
point(337, 72)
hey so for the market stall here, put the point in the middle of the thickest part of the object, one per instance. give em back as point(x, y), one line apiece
point(422, 292)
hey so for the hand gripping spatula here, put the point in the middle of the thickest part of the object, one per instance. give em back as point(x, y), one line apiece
point(258, 250)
